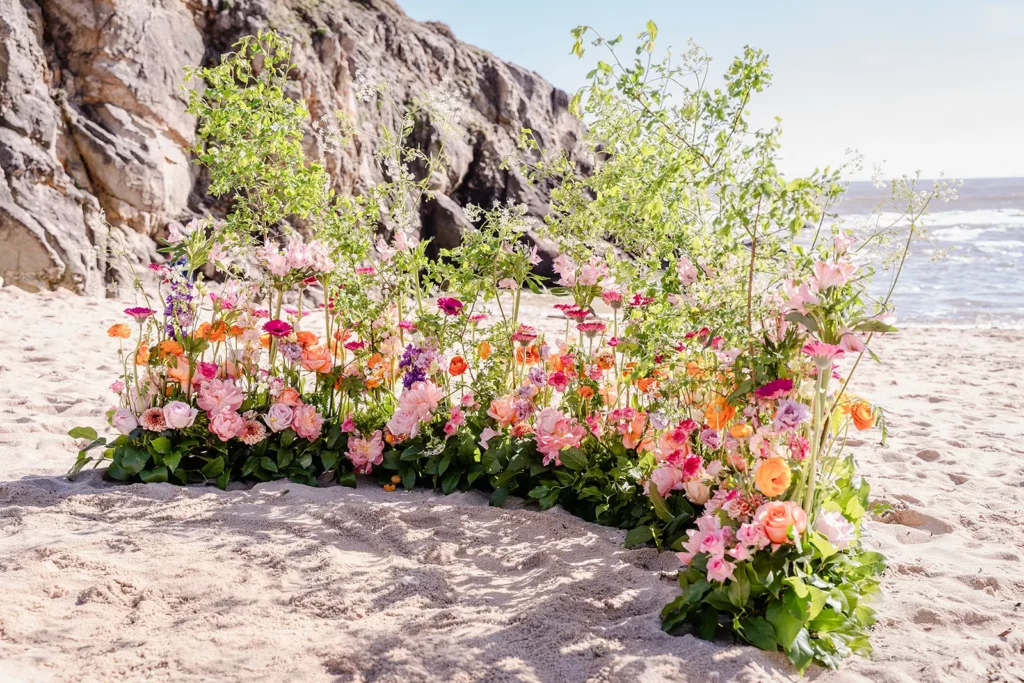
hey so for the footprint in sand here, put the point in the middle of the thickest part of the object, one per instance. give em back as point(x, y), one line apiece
point(928, 455)
point(959, 478)
point(920, 521)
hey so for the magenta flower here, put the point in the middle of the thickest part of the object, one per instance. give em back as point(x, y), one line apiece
point(365, 270)
point(277, 328)
point(449, 305)
point(591, 329)
point(577, 313)
point(639, 300)
point(140, 313)
point(612, 298)
point(777, 388)
point(822, 352)
point(524, 334)
point(355, 345)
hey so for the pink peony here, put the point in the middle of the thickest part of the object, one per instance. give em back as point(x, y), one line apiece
point(124, 420)
point(839, 531)
point(365, 453)
point(279, 417)
point(686, 271)
point(218, 396)
point(306, 422)
point(179, 415)
point(227, 424)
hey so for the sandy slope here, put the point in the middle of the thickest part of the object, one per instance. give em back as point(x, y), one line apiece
point(284, 582)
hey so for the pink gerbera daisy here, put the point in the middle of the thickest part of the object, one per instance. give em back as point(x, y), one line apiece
point(140, 313)
point(577, 313)
point(277, 328)
point(449, 305)
point(524, 334)
point(821, 352)
point(591, 329)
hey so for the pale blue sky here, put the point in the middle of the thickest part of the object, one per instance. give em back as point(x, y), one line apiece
point(935, 86)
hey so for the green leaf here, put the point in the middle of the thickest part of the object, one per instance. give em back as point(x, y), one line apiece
point(759, 633)
point(87, 433)
point(660, 509)
point(450, 480)
point(287, 436)
point(214, 467)
point(491, 461)
point(161, 445)
point(800, 652)
point(348, 480)
point(133, 460)
point(158, 474)
point(408, 472)
point(498, 497)
point(329, 459)
point(268, 464)
point(785, 624)
point(638, 536)
point(739, 589)
point(573, 458)
point(804, 320)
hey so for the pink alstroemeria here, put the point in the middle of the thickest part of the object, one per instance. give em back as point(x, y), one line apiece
point(832, 274)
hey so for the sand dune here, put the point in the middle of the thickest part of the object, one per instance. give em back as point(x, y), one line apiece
point(284, 582)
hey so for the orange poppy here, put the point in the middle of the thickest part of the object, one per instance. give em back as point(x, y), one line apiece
point(718, 413)
point(483, 350)
point(169, 347)
point(142, 355)
point(306, 339)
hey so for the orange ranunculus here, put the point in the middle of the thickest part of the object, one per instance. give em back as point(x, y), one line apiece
point(483, 349)
point(773, 477)
point(317, 359)
point(142, 355)
point(457, 366)
point(718, 413)
point(306, 339)
point(740, 430)
point(528, 356)
point(121, 330)
point(645, 384)
point(290, 397)
point(845, 402)
point(169, 347)
point(586, 392)
point(863, 415)
point(342, 336)
point(776, 518)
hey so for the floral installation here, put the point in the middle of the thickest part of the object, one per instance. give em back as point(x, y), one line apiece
point(695, 396)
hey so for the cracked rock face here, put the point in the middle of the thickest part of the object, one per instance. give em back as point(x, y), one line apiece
point(93, 128)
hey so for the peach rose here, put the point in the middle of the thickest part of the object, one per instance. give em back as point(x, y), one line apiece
point(776, 517)
point(773, 477)
point(317, 359)
point(503, 410)
point(863, 416)
point(289, 396)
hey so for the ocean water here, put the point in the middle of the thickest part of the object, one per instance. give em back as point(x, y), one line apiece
point(979, 281)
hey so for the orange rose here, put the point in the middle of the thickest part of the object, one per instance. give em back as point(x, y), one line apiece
point(718, 413)
point(290, 397)
point(317, 359)
point(773, 477)
point(740, 430)
point(306, 339)
point(457, 366)
point(863, 416)
point(483, 350)
point(142, 355)
point(776, 517)
point(169, 347)
point(119, 330)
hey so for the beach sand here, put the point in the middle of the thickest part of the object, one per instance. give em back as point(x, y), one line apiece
point(104, 581)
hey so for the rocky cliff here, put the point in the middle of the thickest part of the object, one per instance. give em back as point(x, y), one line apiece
point(93, 129)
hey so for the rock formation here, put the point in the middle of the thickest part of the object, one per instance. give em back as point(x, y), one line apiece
point(94, 133)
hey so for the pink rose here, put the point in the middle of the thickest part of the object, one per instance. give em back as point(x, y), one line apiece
point(556, 431)
point(667, 478)
point(227, 425)
point(306, 422)
point(503, 410)
point(179, 415)
point(124, 420)
point(719, 569)
point(279, 417)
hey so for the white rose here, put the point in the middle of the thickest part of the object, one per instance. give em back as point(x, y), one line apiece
point(179, 415)
point(124, 421)
point(837, 529)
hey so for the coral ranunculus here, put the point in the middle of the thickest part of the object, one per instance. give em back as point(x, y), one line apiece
point(773, 477)
point(775, 519)
point(718, 413)
point(457, 366)
point(121, 330)
point(863, 415)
